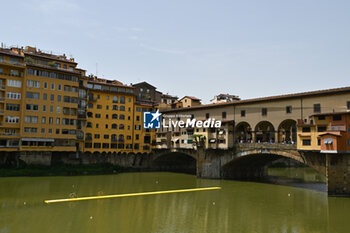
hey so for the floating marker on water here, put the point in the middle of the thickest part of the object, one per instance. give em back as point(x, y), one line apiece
point(131, 195)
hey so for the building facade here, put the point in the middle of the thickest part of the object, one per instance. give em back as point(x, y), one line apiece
point(261, 120)
point(47, 104)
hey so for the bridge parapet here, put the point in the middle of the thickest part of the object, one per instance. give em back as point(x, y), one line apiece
point(268, 146)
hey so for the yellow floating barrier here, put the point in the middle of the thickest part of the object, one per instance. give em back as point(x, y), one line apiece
point(131, 195)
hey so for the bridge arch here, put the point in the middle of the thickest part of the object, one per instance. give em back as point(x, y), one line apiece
point(264, 132)
point(175, 162)
point(243, 132)
point(287, 131)
point(251, 163)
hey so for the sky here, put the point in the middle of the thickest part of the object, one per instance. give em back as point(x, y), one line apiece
point(249, 48)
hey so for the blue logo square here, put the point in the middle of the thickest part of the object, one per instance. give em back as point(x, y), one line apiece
point(151, 120)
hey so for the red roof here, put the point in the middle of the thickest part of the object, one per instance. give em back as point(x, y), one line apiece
point(190, 97)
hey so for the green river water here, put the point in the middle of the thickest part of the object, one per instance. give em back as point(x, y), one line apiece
point(239, 207)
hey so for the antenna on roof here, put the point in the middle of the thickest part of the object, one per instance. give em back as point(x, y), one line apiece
point(96, 69)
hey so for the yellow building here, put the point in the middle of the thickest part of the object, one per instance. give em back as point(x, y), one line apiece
point(114, 120)
point(12, 69)
point(49, 103)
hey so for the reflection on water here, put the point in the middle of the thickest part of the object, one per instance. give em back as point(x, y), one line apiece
point(302, 177)
point(238, 207)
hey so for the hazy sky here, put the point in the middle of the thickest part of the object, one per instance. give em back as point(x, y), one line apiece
point(199, 48)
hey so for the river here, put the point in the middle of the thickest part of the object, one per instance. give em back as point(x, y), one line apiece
point(246, 207)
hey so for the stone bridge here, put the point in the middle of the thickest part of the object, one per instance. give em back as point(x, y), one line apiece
point(247, 161)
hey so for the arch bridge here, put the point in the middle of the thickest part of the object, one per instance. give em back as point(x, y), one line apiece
point(247, 161)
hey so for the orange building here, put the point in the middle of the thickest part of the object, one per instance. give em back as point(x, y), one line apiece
point(337, 137)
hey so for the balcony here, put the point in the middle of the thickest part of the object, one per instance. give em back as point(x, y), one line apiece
point(2, 99)
point(114, 139)
point(9, 134)
point(2, 88)
point(13, 63)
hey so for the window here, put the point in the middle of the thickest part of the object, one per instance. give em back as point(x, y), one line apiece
point(30, 130)
point(306, 130)
point(317, 108)
point(13, 95)
point(12, 107)
point(45, 85)
point(207, 115)
point(306, 142)
point(89, 125)
point(33, 83)
point(97, 145)
point(348, 142)
point(106, 136)
point(122, 108)
point(137, 118)
point(57, 131)
point(122, 99)
point(121, 117)
point(97, 136)
point(99, 106)
point(337, 118)
point(51, 108)
point(242, 113)
point(114, 116)
point(289, 109)
point(59, 87)
point(97, 115)
point(32, 95)
point(14, 83)
point(321, 117)
point(44, 108)
point(58, 121)
point(50, 120)
point(32, 107)
point(31, 119)
point(115, 99)
point(115, 107)
point(43, 120)
point(106, 126)
point(114, 126)
point(44, 96)
point(321, 128)
point(264, 111)
point(223, 115)
point(59, 98)
point(52, 86)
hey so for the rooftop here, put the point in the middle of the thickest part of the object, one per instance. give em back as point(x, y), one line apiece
point(269, 98)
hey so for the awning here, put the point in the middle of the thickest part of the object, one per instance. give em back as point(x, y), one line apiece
point(213, 140)
point(38, 139)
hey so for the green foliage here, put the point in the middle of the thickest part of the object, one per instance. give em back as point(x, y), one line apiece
point(29, 60)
